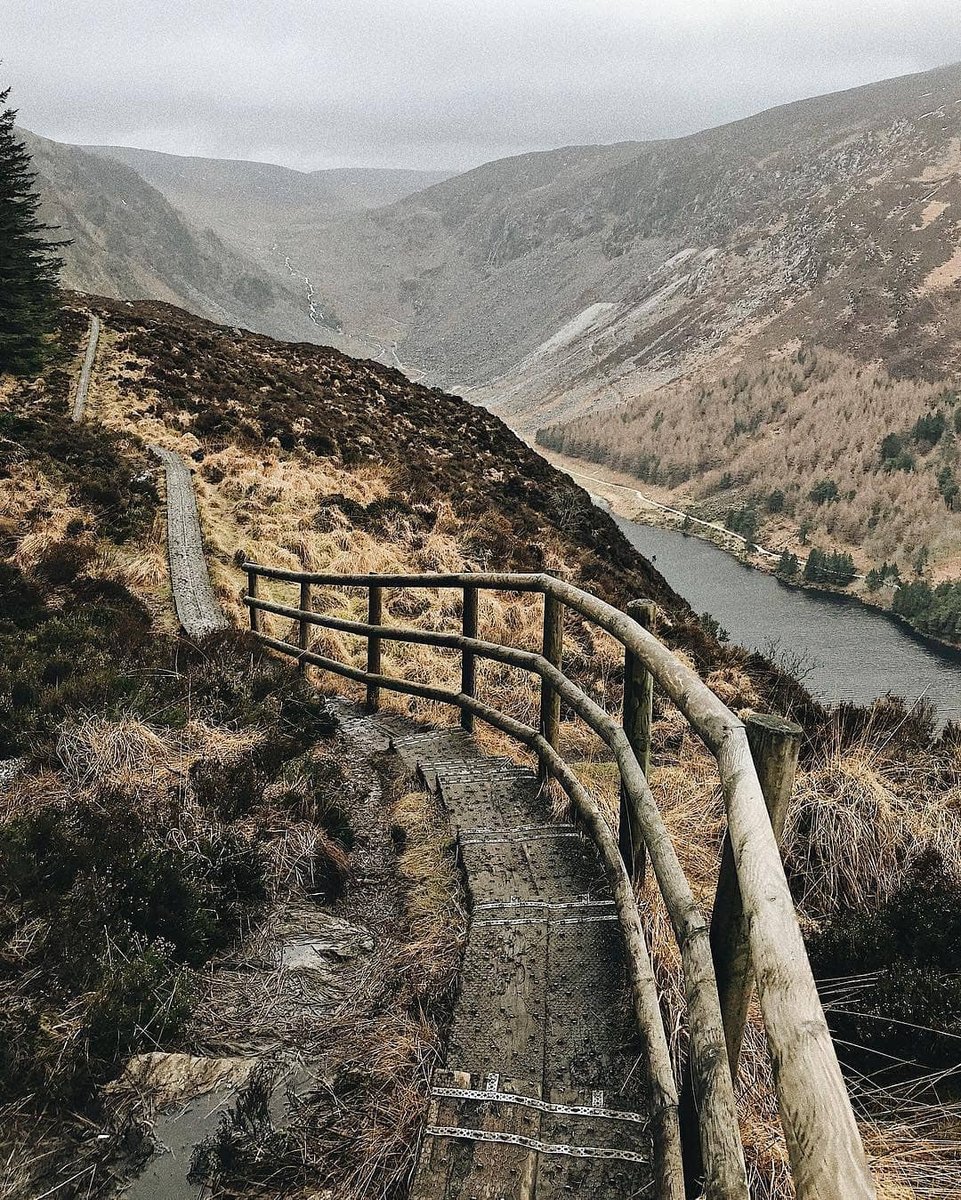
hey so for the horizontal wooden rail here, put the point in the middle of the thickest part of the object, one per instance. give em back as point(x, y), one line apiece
point(827, 1157)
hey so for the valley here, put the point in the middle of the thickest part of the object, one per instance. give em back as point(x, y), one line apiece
point(348, 690)
point(681, 310)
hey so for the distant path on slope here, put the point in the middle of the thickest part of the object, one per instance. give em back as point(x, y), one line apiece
point(197, 607)
point(83, 383)
point(676, 512)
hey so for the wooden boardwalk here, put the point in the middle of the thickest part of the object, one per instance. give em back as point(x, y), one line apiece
point(86, 370)
point(543, 1093)
point(196, 605)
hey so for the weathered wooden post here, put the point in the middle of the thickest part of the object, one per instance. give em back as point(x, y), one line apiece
point(252, 581)
point(468, 662)
point(375, 613)
point(638, 717)
point(304, 625)
point(775, 745)
point(553, 651)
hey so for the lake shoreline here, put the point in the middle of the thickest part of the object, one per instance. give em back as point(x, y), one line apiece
point(655, 515)
point(850, 651)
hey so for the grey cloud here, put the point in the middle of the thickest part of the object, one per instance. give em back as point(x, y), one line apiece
point(445, 83)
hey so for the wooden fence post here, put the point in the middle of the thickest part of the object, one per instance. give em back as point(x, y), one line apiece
point(252, 581)
point(775, 745)
point(468, 662)
point(375, 614)
point(638, 716)
point(553, 651)
point(304, 625)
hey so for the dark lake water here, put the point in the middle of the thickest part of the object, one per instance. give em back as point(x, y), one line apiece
point(856, 653)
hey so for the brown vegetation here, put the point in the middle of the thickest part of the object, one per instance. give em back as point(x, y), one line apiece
point(304, 458)
point(768, 434)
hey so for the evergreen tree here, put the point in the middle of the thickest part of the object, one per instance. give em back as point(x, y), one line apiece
point(29, 264)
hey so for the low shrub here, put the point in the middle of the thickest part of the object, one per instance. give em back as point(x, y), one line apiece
point(102, 875)
point(69, 659)
point(912, 1010)
point(62, 562)
point(103, 470)
point(143, 999)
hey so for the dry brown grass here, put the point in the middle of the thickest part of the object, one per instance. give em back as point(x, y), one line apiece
point(864, 820)
point(37, 514)
point(856, 822)
point(854, 829)
point(434, 899)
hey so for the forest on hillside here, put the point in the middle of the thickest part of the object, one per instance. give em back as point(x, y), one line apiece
point(846, 453)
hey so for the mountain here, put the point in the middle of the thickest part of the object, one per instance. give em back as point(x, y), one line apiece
point(555, 282)
point(194, 184)
point(554, 287)
point(263, 209)
point(742, 314)
point(128, 241)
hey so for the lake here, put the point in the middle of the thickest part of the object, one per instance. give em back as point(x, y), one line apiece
point(855, 653)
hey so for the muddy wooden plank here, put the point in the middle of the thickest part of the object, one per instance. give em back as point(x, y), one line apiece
point(499, 1021)
point(479, 1145)
point(501, 866)
point(591, 1041)
point(86, 370)
point(603, 1150)
point(197, 608)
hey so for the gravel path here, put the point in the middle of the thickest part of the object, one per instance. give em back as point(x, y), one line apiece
point(197, 607)
point(83, 383)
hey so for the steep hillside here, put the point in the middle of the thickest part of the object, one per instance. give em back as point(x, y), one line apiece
point(176, 820)
point(267, 213)
point(830, 219)
point(128, 241)
point(410, 450)
point(807, 446)
point(202, 883)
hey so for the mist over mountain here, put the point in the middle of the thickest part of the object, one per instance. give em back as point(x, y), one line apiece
point(127, 241)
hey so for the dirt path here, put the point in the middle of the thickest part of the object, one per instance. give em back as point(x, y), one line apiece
point(197, 607)
point(543, 1093)
point(666, 508)
point(83, 382)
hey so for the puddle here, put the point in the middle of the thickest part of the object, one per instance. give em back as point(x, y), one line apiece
point(177, 1133)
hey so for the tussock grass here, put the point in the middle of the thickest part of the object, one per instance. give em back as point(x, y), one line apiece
point(861, 820)
point(434, 899)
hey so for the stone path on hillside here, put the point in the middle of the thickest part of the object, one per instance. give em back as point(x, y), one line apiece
point(83, 381)
point(194, 600)
point(543, 1092)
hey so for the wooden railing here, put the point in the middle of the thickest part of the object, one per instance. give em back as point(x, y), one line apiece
point(754, 933)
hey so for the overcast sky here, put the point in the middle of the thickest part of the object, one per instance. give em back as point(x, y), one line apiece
point(439, 83)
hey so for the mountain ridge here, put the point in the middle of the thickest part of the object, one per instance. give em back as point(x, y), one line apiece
point(127, 241)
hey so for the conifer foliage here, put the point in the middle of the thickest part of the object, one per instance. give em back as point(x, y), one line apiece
point(29, 264)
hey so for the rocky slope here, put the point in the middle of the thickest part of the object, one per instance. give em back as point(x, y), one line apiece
point(127, 240)
point(557, 282)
